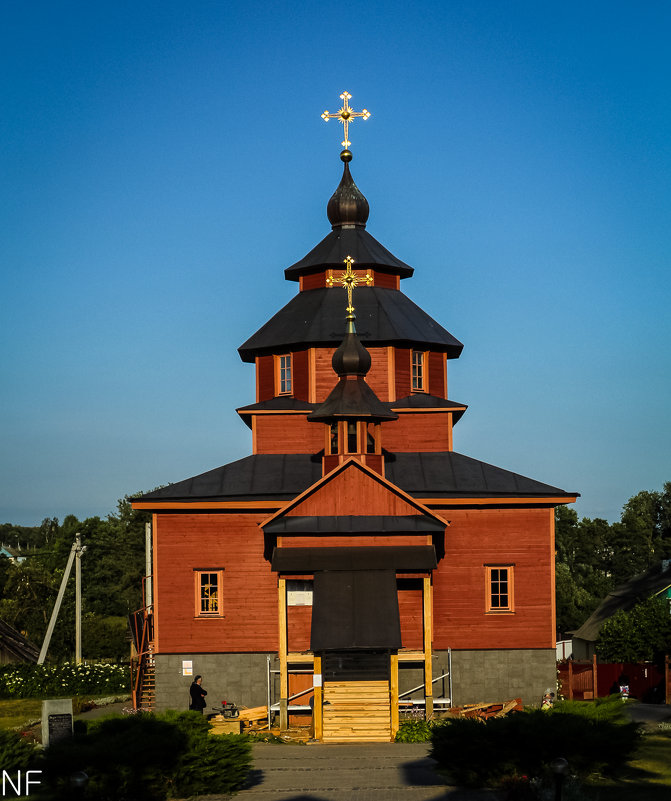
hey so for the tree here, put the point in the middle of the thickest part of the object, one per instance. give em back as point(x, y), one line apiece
point(643, 634)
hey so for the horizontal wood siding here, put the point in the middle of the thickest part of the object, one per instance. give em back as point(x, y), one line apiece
point(437, 367)
point(410, 611)
point(385, 280)
point(301, 375)
point(266, 377)
point(287, 433)
point(229, 542)
point(402, 366)
point(378, 375)
point(417, 432)
point(299, 621)
point(325, 377)
point(475, 538)
point(353, 492)
point(314, 281)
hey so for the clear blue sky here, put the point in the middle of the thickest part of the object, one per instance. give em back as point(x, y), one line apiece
point(163, 162)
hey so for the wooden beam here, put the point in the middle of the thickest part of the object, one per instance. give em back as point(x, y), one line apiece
point(283, 649)
point(393, 694)
point(428, 639)
point(317, 708)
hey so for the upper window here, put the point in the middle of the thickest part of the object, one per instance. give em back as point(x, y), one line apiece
point(284, 383)
point(208, 593)
point(499, 588)
point(419, 371)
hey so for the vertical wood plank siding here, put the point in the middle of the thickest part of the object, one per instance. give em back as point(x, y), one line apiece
point(437, 367)
point(266, 377)
point(301, 375)
point(402, 366)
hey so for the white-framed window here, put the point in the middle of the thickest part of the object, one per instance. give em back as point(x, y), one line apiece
point(419, 382)
point(283, 374)
point(299, 592)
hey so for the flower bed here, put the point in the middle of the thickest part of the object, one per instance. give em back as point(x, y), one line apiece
point(66, 679)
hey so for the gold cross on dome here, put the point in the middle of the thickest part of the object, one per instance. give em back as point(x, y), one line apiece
point(349, 280)
point(345, 115)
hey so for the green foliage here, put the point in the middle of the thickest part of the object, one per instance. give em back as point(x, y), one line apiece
point(643, 634)
point(66, 680)
point(476, 753)
point(414, 731)
point(609, 709)
point(593, 557)
point(16, 753)
point(147, 756)
point(105, 637)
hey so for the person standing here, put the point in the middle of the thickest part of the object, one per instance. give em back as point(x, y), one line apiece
point(197, 694)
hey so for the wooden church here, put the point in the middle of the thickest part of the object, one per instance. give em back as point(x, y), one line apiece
point(354, 564)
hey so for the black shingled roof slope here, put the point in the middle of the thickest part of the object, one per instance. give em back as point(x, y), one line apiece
point(315, 318)
point(625, 597)
point(444, 474)
point(341, 242)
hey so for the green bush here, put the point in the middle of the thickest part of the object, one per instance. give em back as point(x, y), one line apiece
point(477, 753)
point(16, 753)
point(414, 731)
point(66, 679)
point(147, 756)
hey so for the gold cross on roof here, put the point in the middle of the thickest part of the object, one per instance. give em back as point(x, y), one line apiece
point(349, 280)
point(345, 115)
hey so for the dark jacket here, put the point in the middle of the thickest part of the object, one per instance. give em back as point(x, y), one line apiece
point(197, 696)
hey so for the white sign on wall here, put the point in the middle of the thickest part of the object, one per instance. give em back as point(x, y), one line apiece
point(187, 667)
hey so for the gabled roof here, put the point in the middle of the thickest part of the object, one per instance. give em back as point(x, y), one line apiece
point(636, 589)
point(16, 645)
point(384, 317)
point(444, 474)
point(355, 242)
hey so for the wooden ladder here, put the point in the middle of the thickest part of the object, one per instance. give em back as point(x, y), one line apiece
point(357, 711)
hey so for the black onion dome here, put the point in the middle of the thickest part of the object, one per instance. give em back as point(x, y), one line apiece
point(351, 358)
point(347, 205)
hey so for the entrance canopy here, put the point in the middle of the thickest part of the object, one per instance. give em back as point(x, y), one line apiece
point(355, 609)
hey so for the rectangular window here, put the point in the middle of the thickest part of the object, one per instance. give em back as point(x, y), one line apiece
point(419, 360)
point(284, 385)
point(499, 588)
point(208, 593)
point(299, 592)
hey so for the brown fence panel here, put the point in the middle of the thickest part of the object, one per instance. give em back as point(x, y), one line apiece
point(645, 680)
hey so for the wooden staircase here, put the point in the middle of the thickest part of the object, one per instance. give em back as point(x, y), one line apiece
point(357, 711)
point(147, 693)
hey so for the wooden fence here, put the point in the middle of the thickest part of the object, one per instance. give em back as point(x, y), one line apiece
point(583, 681)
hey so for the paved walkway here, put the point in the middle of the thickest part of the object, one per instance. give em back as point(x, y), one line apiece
point(372, 772)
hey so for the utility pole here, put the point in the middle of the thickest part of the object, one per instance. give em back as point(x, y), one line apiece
point(75, 551)
point(78, 599)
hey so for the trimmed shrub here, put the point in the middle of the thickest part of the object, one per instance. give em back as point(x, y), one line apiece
point(477, 753)
point(147, 756)
point(414, 731)
point(16, 753)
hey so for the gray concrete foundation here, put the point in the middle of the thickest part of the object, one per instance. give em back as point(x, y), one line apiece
point(500, 675)
point(241, 678)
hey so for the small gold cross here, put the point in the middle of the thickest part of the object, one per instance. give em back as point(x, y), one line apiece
point(349, 280)
point(345, 115)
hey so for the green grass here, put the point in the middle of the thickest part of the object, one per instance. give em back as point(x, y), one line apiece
point(18, 712)
point(647, 776)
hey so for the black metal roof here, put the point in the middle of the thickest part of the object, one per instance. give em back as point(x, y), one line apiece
point(375, 557)
point(315, 318)
point(352, 398)
point(353, 524)
point(355, 242)
point(444, 474)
